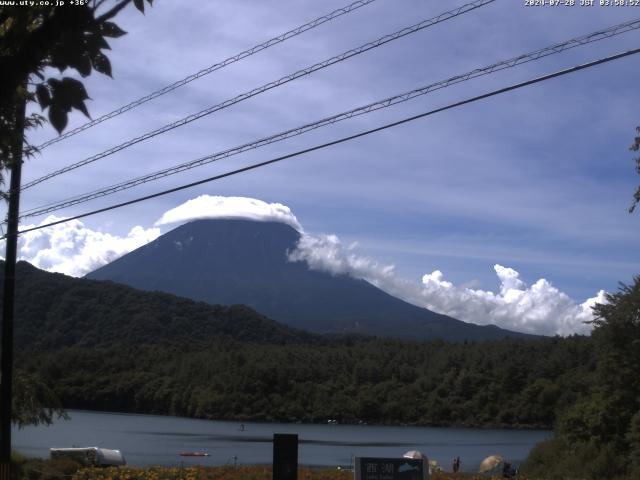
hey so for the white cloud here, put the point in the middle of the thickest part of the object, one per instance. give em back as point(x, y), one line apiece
point(326, 253)
point(210, 206)
point(539, 309)
point(73, 249)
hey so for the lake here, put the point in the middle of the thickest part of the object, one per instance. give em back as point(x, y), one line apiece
point(147, 440)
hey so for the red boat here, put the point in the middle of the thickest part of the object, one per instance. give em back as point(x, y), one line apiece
point(193, 454)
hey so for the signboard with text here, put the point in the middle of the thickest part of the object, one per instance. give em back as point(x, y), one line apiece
point(371, 468)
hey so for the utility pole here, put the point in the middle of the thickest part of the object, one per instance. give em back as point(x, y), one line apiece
point(6, 358)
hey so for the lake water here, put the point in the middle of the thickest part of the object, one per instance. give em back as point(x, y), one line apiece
point(147, 440)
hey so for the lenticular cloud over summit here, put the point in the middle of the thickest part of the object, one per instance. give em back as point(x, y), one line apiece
point(208, 206)
point(539, 308)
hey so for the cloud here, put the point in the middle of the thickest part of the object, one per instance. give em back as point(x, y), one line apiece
point(326, 253)
point(540, 308)
point(210, 206)
point(73, 249)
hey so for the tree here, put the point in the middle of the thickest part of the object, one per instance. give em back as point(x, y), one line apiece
point(33, 40)
point(617, 339)
point(599, 436)
point(36, 38)
point(34, 402)
point(635, 146)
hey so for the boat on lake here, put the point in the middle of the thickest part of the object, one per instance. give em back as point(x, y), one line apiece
point(194, 454)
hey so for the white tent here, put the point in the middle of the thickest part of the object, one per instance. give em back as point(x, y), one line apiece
point(491, 464)
point(413, 454)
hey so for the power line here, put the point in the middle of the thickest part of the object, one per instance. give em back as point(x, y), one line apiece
point(340, 140)
point(268, 86)
point(387, 102)
point(217, 66)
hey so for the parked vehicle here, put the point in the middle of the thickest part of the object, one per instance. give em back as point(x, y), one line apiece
point(90, 456)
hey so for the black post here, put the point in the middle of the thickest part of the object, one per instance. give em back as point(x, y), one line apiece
point(285, 456)
point(6, 359)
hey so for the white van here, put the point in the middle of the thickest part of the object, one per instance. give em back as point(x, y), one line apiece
point(90, 456)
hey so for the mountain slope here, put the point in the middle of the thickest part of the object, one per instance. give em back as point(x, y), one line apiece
point(245, 262)
point(54, 311)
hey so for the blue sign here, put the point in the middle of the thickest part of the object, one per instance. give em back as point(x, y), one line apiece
point(371, 468)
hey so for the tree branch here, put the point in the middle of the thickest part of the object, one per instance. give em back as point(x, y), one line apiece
point(113, 12)
point(26, 60)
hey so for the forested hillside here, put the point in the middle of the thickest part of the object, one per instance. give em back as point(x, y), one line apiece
point(511, 383)
point(104, 346)
point(55, 311)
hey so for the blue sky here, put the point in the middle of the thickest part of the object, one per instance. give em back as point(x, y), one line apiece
point(538, 180)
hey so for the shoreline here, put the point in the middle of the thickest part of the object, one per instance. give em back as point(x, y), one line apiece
point(244, 419)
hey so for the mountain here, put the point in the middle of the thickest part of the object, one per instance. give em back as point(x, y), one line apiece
point(246, 262)
point(54, 311)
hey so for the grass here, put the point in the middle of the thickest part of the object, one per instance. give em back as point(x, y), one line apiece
point(23, 468)
point(65, 469)
point(233, 473)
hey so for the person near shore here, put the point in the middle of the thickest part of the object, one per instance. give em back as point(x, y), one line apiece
point(456, 464)
point(508, 471)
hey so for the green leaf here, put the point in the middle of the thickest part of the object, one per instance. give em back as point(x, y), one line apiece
point(98, 42)
point(43, 96)
point(58, 117)
point(76, 94)
point(75, 88)
point(110, 29)
point(139, 5)
point(79, 105)
point(65, 95)
point(83, 65)
point(102, 64)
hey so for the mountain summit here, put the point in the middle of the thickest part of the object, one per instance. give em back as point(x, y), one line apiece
point(246, 262)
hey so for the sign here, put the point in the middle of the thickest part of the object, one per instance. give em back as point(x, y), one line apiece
point(371, 468)
point(285, 456)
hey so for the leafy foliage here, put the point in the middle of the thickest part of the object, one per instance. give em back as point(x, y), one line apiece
point(205, 473)
point(379, 381)
point(557, 459)
point(635, 146)
point(34, 402)
point(37, 38)
point(601, 432)
point(38, 469)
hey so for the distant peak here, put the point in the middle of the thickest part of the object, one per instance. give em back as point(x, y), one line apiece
point(234, 231)
point(240, 223)
point(210, 207)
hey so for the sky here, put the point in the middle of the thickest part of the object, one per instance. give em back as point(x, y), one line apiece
point(511, 210)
